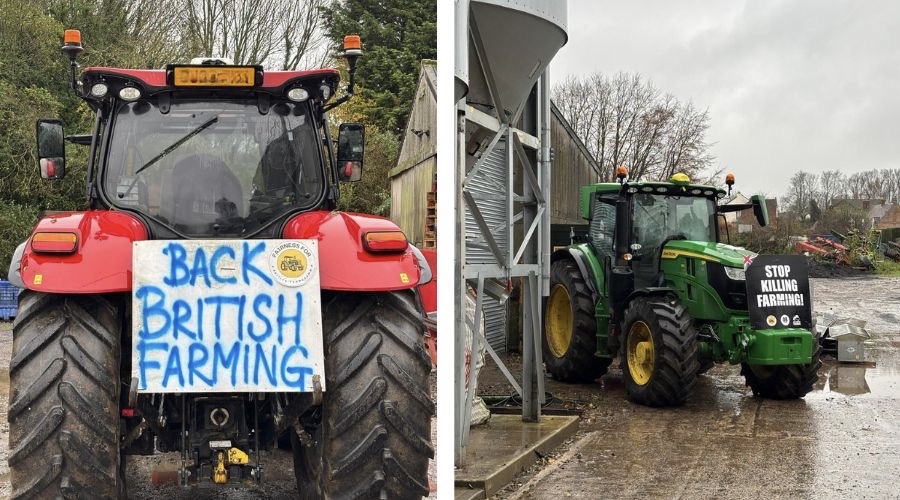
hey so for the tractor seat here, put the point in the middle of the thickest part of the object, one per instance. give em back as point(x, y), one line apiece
point(204, 192)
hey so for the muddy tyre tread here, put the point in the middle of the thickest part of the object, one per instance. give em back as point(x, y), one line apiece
point(578, 364)
point(676, 361)
point(374, 440)
point(64, 382)
point(788, 381)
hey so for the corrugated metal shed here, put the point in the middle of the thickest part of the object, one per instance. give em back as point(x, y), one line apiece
point(413, 177)
point(489, 194)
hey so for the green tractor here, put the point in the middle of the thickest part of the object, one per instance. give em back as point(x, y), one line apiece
point(654, 285)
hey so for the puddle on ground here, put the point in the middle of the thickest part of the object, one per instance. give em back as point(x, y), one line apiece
point(878, 377)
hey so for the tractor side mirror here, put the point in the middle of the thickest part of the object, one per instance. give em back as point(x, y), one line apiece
point(759, 210)
point(51, 149)
point(351, 146)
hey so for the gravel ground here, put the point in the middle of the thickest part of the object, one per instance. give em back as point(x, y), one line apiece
point(278, 475)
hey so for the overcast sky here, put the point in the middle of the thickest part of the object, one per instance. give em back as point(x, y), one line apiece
point(790, 85)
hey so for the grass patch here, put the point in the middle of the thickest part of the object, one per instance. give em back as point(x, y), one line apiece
point(887, 267)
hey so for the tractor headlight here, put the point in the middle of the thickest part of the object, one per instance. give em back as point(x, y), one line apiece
point(735, 273)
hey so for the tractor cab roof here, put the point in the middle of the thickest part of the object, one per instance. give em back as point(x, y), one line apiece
point(663, 188)
point(102, 81)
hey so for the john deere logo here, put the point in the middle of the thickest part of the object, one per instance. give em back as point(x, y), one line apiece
point(291, 263)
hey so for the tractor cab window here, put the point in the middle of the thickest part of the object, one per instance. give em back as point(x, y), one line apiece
point(661, 217)
point(658, 217)
point(603, 224)
point(213, 168)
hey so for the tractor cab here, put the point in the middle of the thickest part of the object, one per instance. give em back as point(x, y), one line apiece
point(653, 214)
point(210, 149)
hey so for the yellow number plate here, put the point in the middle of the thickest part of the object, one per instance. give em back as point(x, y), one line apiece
point(214, 76)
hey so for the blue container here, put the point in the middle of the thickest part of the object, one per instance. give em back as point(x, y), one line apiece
point(9, 300)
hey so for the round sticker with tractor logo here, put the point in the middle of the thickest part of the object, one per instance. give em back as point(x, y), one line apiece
point(292, 263)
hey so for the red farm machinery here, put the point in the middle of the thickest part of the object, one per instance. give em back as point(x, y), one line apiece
point(211, 300)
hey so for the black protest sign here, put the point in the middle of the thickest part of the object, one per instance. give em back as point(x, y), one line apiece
point(778, 292)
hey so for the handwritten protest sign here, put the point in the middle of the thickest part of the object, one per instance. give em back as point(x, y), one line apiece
point(778, 292)
point(226, 316)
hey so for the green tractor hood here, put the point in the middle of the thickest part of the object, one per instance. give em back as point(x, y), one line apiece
point(727, 255)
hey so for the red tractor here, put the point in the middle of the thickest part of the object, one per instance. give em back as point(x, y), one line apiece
point(211, 301)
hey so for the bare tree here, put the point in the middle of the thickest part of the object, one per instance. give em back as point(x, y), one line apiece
point(892, 185)
point(685, 147)
point(625, 120)
point(801, 190)
point(856, 186)
point(155, 37)
point(832, 186)
point(282, 34)
point(871, 185)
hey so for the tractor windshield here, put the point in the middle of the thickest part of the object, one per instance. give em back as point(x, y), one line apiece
point(213, 168)
point(658, 217)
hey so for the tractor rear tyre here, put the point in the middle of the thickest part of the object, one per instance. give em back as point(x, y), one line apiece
point(784, 381)
point(659, 352)
point(373, 435)
point(64, 397)
point(570, 330)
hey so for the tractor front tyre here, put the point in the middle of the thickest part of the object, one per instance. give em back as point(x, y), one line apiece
point(783, 381)
point(371, 438)
point(64, 397)
point(659, 352)
point(570, 329)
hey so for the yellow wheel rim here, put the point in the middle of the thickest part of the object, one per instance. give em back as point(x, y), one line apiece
point(639, 352)
point(558, 322)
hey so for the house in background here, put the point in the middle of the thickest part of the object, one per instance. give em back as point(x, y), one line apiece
point(875, 208)
point(744, 221)
point(413, 184)
point(889, 223)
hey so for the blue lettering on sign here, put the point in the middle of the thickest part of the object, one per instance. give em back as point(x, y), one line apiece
point(178, 270)
point(247, 262)
point(173, 367)
point(257, 309)
point(200, 268)
point(284, 319)
point(181, 274)
point(192, 320)
point(231, 360)
point(214, 264)
point(298, 373)
point(144, 364)
point(150, 311)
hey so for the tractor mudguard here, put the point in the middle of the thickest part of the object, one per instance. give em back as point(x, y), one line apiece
point(101, 261)
point(344, 263)
point(649, 291)
point(584, 266)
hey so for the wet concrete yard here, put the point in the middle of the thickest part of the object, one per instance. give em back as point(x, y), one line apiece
point(840, 441)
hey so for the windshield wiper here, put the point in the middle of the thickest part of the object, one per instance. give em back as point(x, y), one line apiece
point(200, 128)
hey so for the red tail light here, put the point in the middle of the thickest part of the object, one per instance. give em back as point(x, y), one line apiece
point(385, 241)
point(54, 242)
